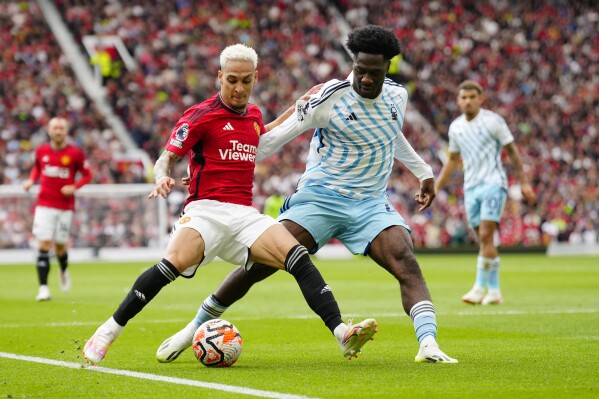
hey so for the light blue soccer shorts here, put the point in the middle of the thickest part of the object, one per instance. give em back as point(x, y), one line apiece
point(484, 202)
point(326, 214)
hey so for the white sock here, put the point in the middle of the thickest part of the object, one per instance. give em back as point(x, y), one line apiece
point(191, 327)
point(428, 340)
point(339, 331)
point(113, 326)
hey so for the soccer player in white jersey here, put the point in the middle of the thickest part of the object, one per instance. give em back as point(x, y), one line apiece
point(478, 136)
point(342, 193)
point(221, 136)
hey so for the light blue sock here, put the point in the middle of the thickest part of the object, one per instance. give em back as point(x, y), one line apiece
point(211, 309)
point(482, 272)
point(494, 274)
point(424, 319)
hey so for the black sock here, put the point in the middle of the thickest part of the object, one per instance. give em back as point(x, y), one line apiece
point(63, 261)
point(317, 293)
point(145, 288)
point(43, 267)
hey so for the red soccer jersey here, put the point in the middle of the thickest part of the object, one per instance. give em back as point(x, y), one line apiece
point(222, 145)
point(57, 168)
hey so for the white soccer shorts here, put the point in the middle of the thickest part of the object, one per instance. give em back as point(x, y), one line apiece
point(51, 224)
point(228, 230)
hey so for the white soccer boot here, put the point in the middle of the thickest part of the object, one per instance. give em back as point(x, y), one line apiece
point(43, 293)
point(474, 296)
point(173, 346)
point(493, 297)
point(430, 353)
point(65, 281)
point(356, 336)
point(97, 346)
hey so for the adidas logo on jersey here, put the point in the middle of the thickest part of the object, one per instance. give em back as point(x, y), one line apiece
point(351, 117)
point(228, 126)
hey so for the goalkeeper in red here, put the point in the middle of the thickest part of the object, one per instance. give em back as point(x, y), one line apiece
point(56, 165)
point(221, 136)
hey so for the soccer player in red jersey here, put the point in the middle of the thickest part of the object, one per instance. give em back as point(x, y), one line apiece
point(56, 165)
point(221, 136)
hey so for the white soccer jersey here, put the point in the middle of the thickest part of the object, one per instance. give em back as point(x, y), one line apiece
point(480, 142)
point(355, 142)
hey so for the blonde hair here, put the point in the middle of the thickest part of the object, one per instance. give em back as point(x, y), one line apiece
point(238, 52)
point(58, 119)
point(470, 85)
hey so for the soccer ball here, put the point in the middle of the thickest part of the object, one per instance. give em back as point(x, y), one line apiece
point(217, 343)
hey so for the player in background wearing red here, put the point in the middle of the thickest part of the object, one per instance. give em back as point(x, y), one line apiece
point(56, 165)
point(221, 136)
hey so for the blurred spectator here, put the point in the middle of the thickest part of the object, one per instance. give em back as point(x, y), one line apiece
point(538, 63)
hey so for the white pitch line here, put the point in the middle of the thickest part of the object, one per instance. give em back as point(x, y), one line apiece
point(154, 377)
point(525, 312)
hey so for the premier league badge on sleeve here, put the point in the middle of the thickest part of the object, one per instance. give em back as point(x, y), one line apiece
point(182, 132)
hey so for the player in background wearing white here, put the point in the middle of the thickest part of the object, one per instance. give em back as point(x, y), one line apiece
point(56, 165)
point(342, 194)
point(478, 136)
point(221, 136)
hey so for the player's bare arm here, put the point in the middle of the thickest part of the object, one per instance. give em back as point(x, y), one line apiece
point(162, 171)
point(427, 193)
point(449, 167)
point(27, 184)
point(516, 161)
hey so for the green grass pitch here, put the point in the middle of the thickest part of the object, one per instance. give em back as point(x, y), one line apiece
point(543, 342)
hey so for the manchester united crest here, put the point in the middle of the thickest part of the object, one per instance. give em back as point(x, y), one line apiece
point(65, 160)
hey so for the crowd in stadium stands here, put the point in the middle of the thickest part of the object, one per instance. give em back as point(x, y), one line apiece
point(538, 64)
point(539, 72)
point(36, 83)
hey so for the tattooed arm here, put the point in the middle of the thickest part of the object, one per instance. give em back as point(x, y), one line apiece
point(162, 171)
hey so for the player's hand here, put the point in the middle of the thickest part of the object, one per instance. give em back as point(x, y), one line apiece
point(68, 190)
point(313, 90)
point(185, 181)
point(426, 195)
point(27, 185)
point(163, 186)
point(528, 194)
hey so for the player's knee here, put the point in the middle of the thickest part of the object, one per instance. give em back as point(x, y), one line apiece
point(60, 250)
point(486, 237)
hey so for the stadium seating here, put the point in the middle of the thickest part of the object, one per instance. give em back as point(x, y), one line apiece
point(537, 71)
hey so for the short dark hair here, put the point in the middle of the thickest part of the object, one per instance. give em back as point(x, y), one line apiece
point(373, 39)
point(470, 85)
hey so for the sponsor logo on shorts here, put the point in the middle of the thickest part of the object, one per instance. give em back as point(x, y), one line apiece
point(184, 220)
